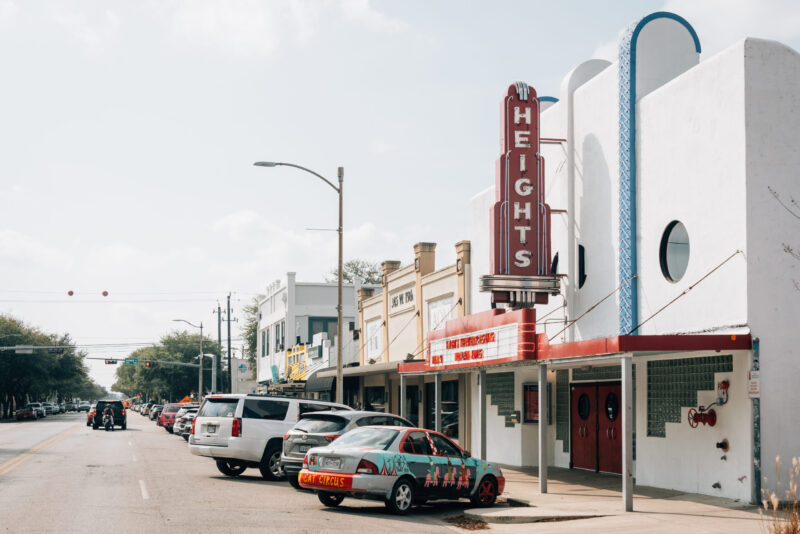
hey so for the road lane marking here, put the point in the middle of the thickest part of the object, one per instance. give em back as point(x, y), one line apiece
point(15, 462)
point(142, 487)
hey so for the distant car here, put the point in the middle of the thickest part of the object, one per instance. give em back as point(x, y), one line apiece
point(399, 466)
point(241, 431)
point(49, 408)
point(120, 418)
point(84, 407)
point(155, 411)
point(318, 429)
point(90, 415)
point(62, 408)
point(166, 418)
point(38, 408)
point(71, 407)
point(28, 412)
point(183, 425)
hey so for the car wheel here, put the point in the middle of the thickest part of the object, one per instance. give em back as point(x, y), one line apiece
point(294, 481)
point(185, 437)
point(401, 498)
point(330, 499)
point(270, 465)
point(486, 494)
point(231, 469)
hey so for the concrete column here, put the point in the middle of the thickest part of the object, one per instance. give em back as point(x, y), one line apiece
point(543, 441)
point(437, 403)
point(387, 267)
point(403, 409)
point(424, 263)
point(482, 408)
point(627, 432)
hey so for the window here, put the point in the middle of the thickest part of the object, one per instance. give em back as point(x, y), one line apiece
point(374, 339)
point(376, 399)
point(419, 443)
point(265, 409)
point(444, 447)
point(581, 266)
point(224, 407)
point(449, 407)
point(439, 311)
point(374, 438)
point(266, 342)
point(554, 265)
point(307, 407)
point(321, 424)
point(674, 251)
point(530, 394)
point(317, 325)
point(280, 331)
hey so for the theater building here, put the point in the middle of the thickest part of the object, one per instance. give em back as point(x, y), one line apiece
point(632, 305)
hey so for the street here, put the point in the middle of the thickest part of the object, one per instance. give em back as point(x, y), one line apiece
point(58, 475)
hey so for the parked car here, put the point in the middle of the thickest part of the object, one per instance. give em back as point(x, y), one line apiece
point(62, 408)
point(71, 407)
point(399, 466)
point(241, 431)
point(38, 408)
point(84, 406)
point(184, 424)
point(120, 418)
point(28, 412)
point(90, 415)
point(145, 409)
point(166, 418)
point(49, 409)
point(155, 411)
point(321, 428)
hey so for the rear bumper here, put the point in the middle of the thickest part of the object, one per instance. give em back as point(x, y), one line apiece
point(291, 467)
point(375, 486)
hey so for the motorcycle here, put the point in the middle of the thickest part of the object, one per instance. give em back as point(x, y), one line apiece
point(108, 422)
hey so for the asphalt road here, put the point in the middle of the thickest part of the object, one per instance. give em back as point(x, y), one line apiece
point(58, 475)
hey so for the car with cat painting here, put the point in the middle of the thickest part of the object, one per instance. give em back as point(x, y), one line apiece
point(400, 466)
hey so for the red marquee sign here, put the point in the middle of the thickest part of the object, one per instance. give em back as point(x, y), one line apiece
point(520, 218)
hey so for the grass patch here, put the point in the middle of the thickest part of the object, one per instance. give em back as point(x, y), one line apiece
point(467, 523)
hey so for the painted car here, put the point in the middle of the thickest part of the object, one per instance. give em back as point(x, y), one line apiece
point(399, 466)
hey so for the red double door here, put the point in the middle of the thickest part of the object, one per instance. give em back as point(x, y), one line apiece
point(597, 427)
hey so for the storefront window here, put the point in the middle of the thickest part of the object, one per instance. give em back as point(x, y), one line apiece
point(449, 407)
point(375, 399)
point(412, 404)
point(531, 401)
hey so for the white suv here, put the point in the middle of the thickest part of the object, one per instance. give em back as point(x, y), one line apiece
point(241, 431)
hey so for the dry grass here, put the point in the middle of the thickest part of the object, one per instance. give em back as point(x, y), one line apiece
point(781, 513)
point(467, 523)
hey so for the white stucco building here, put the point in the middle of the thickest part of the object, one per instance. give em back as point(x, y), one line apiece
point(660, 173)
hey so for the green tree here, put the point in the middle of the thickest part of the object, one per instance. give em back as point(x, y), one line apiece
point(369, 272)
point(249, 331)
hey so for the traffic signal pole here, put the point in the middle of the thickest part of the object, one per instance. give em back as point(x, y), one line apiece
point(230, 371)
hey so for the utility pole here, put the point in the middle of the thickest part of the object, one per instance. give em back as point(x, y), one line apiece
point(230, 371)
point(217, 363)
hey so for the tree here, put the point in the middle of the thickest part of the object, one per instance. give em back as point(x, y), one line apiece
point(369, 272)
point(249, 331)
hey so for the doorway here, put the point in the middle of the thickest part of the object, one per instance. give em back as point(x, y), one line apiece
point(596, 430)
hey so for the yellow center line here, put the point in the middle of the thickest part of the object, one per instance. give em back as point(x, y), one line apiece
point(15, 462)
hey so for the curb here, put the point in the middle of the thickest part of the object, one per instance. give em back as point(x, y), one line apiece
point(527, 518)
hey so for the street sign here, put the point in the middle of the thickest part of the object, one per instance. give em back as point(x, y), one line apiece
point(131, 361)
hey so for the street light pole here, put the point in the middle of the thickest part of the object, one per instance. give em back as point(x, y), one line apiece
point(340, 174)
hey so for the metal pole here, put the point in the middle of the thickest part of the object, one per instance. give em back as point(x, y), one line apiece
point(219, 343)
point(200, 395)
point(339, 380)
point(543, 439)
point(627, 432)
point(230, 374)
point(403, 410)
point(437, 410)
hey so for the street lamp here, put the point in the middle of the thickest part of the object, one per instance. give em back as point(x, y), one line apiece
point(213, 364)
point(339, 384)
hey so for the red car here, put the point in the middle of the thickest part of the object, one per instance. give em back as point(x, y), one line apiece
point(28, 412)
point(167, 417)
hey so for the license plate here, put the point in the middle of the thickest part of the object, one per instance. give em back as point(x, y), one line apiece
point(211, 428)
point(304, 448)
point(335, 463)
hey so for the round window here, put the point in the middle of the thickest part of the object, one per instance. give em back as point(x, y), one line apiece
point(674, 252)
point(612, 406)
point(583, 406)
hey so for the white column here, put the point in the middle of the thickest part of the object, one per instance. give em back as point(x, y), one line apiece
point(403, 409)
point(627, 432)
point(482, 401)
point(437, 406)
point(543, 428)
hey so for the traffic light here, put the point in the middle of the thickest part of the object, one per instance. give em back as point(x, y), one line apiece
point(149, 364)
point(111, 362)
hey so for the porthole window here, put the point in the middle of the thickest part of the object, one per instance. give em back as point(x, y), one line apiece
point(612, 406)
point(674, 251)
point(583, 406)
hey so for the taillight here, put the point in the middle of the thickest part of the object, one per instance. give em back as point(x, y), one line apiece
point(193, 422)
point(305, 461)
point(285, 436)
point(366, 467)
point(331, 437)
point(236, 428)
point(123, 411)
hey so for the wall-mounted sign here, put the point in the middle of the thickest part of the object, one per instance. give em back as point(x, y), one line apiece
point(520, 217)
point(401, 300)
point(374, 339)
point(754, 384)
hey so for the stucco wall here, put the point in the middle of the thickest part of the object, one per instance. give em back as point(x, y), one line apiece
point(772, 98)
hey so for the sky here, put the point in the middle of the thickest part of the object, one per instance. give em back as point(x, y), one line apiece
point(128, 131)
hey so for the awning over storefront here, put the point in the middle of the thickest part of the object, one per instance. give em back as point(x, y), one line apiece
point(318, 383)
point(361, 370)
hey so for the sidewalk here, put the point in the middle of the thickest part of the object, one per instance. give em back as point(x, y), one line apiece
point(580, 501)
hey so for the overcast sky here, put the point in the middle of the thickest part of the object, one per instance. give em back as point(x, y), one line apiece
point(128, 132)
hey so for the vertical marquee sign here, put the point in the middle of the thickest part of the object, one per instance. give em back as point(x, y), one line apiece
point(520, 219)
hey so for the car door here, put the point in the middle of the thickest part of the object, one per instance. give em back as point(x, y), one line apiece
point(419, 455)
point(454, 469)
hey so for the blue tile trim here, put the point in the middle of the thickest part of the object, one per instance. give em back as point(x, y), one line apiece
point(629, 298)
point(548, 99)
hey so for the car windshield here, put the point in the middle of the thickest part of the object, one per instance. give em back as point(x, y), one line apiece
point(221, 407)
point(321, 424)
point(375, 438)
point(172, 409)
